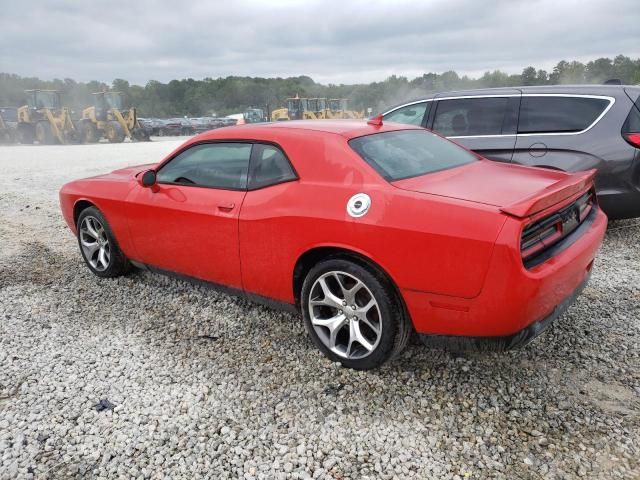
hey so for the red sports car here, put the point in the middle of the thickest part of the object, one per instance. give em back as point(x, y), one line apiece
point(372, 231)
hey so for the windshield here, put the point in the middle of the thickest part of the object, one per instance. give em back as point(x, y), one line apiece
point(113, 101)
point(336, 104)
point(254, 115)
point(44, 99)
point(409, 153)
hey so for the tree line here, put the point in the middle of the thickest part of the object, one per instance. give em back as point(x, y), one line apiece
point(234, 94)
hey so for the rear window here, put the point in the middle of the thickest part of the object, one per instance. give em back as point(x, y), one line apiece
point(409, 153)
point(559, 114)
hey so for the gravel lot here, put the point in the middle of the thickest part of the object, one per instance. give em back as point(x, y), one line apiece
point(195, 383)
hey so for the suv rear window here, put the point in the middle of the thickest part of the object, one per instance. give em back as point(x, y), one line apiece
point(409, 153)
point(548, 114)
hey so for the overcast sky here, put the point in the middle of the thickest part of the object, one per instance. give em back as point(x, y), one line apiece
point(331, 41)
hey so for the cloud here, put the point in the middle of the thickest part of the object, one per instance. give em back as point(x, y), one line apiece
point(331, 41)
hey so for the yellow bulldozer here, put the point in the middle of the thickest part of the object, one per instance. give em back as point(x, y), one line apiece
point(301, 109)
point(314, 109)
point(106, 118)
point(44, 120)
point(338, 109)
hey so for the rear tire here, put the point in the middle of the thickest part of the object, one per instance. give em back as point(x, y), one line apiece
point(364, 337)
point(6, 137)
point(98, 245)
point(114, 132)
point(26, 133)
point(87, 132)
point(44, 133)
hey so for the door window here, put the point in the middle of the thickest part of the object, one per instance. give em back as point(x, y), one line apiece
point(470, 116)
point(411, 114)
point(214, 165)
point(269, 167)
point(559, 114)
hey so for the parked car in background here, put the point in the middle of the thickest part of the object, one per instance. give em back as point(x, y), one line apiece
point(202, 124)
point(563, 127)
point(151, 125)
point(8, 124)
point(9, 114)
point(226, 121)
point(147, 126)
point(176, 127)
point(371, 231)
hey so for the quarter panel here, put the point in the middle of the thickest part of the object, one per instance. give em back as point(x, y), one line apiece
point(423, 242)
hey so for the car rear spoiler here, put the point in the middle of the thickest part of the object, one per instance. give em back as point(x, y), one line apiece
point(556, 193)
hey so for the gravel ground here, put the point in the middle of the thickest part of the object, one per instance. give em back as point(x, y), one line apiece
point(151, 377)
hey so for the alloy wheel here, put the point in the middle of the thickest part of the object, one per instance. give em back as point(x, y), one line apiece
point(95, 243)
point(345, 315)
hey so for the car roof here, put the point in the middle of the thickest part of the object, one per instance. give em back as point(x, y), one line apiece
point(346, 128)
point(594, 89)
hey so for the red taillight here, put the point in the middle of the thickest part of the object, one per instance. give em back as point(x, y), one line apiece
point(632, 138)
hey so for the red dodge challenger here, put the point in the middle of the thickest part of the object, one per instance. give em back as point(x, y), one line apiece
point(372, 231)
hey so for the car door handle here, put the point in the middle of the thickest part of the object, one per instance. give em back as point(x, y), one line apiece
point(226, 206)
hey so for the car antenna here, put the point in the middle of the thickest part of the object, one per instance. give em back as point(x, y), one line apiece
point(376, 121)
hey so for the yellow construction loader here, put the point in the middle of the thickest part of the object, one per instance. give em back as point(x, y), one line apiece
point(106, 118)
point(301, 109)
point(294, 110)
point(338, 109)
point(314, 109)
point(44, 119)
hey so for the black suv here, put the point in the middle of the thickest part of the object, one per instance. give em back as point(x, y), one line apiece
point(566, 127)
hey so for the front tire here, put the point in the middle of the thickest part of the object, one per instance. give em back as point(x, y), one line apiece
point(88, 132)
point(26, 133)
point(353, 314)
point(98, 245)
point(114, 132)
point(44, 133)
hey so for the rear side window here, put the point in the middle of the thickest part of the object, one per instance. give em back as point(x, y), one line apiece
point(551, 114)
point(269, 167)
point(470, 116)
point(411, 114)
point(409, 153)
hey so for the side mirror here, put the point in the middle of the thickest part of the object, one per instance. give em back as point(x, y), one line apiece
point(147, 179)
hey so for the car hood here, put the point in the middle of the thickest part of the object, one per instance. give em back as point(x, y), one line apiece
point(487, 182)
point(130, 171)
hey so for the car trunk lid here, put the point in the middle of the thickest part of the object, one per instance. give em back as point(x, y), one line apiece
point(515, 190)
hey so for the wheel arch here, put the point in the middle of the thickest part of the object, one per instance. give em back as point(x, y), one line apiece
point(79, 206)
point(311, 257)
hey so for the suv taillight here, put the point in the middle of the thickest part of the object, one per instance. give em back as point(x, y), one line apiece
point(632, 138)
point(631, 127)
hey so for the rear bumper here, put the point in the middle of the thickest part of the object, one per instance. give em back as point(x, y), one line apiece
point(513, 299)
point(507, 342)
